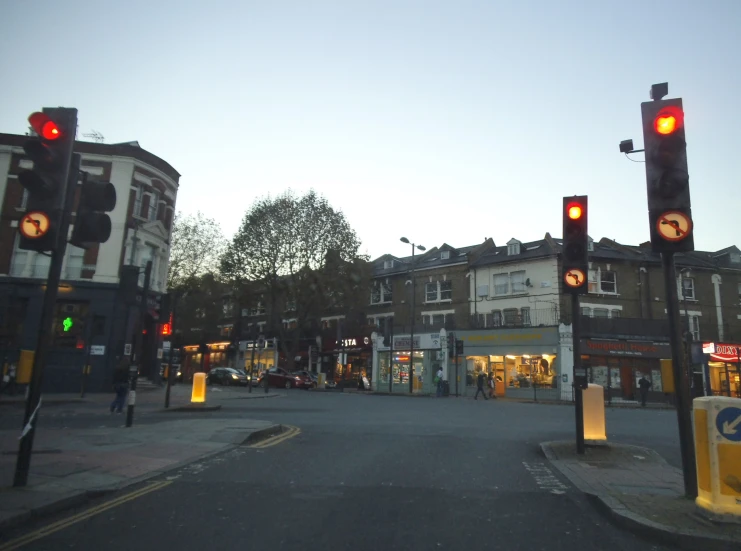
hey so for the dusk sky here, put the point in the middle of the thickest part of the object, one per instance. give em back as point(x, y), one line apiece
point(445, 122)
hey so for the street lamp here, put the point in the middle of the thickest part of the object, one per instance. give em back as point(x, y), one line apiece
point(414, 298)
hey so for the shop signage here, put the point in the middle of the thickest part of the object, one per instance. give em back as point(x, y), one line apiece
point(722, 352)
point(625, 348)
point(352, 342)
point(425, 341)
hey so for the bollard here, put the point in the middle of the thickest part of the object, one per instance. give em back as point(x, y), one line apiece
point(198, 396)
point(594, 414)
point(717, 421)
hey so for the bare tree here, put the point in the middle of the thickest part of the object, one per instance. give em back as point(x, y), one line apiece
point(196, 249)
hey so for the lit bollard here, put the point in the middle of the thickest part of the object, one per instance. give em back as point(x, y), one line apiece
point(198, 396)
point(717, 421)
point(321, 380)
point(594, 414)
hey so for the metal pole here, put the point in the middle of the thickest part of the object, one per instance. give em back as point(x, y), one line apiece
point(252, 365)
point(579, 398)
point(86, 361)
point(259, 359)
point(455, 344)
point(684, 405)
point(44, 338)
point(535, 384)
point(342, 356)
point(411, 340)
point(139, 340)
point(172, 348)
point(391, 356)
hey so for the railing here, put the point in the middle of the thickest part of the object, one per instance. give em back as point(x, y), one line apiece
point(532, 318)
point(625, 327)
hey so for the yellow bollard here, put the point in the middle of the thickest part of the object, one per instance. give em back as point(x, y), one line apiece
point(25, 367)
point(717, 421)
point(198, 396)
point(594, 414)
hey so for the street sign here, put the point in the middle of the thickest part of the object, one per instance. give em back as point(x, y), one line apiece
point(674, 226)
point(166, 345)
point(728, 423)
point(574, 278)
point(127, 349)
point(97, 350)
point(34, 224)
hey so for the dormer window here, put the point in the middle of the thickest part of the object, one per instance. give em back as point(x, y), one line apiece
point(735, 258)
point(513, 247)
point(444, 255)
point(388, 264)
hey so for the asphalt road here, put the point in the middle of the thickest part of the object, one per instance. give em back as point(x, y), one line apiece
point(375, 472)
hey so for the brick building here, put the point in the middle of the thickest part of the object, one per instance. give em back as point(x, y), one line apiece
point(146, 189)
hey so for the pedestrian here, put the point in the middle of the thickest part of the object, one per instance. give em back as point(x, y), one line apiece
point(120, 385)
point(492, 386)
point(644, 384)
point(480, 381)
point(439, 381)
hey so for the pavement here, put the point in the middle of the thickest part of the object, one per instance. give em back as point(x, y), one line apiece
point(638, 490)
point(71, 465)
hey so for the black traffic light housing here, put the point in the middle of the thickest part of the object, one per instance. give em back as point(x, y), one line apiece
point(92, 224)
point(459, 347)
point(667, 176)
point(575, 265)
point(46, 183)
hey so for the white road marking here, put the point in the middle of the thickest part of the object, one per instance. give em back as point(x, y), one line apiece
point(544, 478)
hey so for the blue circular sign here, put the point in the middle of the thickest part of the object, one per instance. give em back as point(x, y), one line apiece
point(728, 423)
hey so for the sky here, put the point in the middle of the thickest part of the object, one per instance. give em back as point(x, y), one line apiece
point(440, 121)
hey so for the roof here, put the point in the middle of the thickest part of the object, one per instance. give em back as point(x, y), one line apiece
point(541, 248)
point(432, 258)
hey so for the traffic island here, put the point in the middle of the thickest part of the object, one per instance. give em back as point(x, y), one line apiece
point(638, 490)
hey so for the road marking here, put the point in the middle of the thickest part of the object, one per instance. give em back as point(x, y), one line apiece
point(84, 515)
point(277, 439)
point(544, 478)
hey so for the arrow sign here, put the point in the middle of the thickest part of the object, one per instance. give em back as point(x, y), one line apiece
point(728, 423)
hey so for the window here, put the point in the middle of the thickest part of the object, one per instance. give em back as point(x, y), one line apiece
point(513, 247)
point(695, 327)
point(258, 310)
point(291, 324)
point(75, 256)
point(525, 313)
point(586, 311)
point(590, 244)
point(227, 308)
point(496, 316)
point(601, 313)
point(436, 291)
point(518, 282)
point(593, 281)
point(436, 319)
point(388, 264)
point(154, 203)
point(20, 259)
point(688, 288)
point(501, 284)
point(615, 313)
point(384, 323)
point(380, 293)
point(444, 255)
point(41, 266)
point(602, 282)
point(290, 306)
point(510, 316)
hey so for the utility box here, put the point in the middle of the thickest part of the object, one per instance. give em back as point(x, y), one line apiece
point(594, 413)
point(717, 421)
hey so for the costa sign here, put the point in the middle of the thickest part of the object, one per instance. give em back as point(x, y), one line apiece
point(723, 352)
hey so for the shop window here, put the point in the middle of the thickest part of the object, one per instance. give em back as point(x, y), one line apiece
point(518, 282)
point(501, 284)
point(525, 313)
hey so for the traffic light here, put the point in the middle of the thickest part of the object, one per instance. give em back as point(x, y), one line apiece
point(459, 347)
point(92, 224)
point(46, 183)
point(574, 266)
point(667, 177)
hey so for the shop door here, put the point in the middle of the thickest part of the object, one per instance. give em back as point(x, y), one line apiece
point(626, 382)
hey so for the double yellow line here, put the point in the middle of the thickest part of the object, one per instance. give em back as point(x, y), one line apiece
point(273, 440)
point(64, 523)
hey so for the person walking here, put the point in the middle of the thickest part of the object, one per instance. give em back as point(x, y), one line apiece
point(120, 385)
point(480, 381)
point(492, 386)
point(643, 385)
point(439, 381)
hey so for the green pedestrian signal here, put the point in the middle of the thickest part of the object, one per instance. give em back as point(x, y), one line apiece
point(67, 323)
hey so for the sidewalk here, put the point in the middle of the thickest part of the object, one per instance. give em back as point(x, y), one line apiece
point(639, 491)
point(70, 466)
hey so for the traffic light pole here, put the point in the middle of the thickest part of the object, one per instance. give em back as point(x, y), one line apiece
point(134, 369)
point(43, 342)
point(681, 378)
point(578, 372)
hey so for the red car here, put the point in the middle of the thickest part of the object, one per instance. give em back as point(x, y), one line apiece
point(279, 377)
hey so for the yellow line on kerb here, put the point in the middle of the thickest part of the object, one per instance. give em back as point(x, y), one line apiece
point(277, 439)
point(64, 523)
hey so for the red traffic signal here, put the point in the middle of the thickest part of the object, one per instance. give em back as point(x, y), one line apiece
point(668, 120)
point(574, 211)
point(44, 126)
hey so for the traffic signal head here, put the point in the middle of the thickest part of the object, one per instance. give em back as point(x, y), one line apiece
point(92, 224)
point(667, 177)
point(46, 183)
point(574, 266)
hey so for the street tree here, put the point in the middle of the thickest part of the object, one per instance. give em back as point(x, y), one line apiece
point(195, 250)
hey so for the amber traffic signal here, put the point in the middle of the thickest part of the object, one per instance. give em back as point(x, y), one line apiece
point(574, 265)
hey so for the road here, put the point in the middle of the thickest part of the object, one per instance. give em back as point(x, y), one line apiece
point(375, 472)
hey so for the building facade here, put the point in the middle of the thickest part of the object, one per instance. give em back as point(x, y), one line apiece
point(89, 297)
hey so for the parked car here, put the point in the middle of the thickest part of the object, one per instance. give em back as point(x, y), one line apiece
point(280, 378)
point(313, 376)
point(226, 376)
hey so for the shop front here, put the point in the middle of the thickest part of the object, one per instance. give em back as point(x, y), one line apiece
point(523, 362)
point(353, 360)
point(618, 365)
point(257, 356)
point(391, 365)
point(197, 359)
point(723, 368)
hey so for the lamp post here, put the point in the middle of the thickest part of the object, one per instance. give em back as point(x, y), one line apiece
point(414, 298)
point(688, 333)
